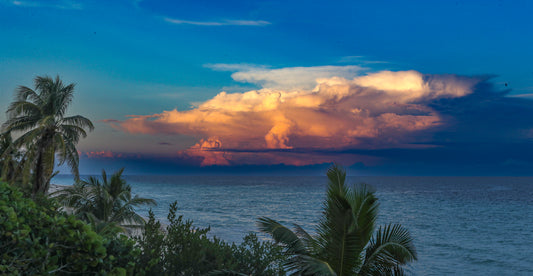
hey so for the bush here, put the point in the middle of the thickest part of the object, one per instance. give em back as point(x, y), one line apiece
point(37, 239)
point(187, 250)
point(258, 258)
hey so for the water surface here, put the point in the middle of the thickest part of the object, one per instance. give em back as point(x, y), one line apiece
point(460, 225)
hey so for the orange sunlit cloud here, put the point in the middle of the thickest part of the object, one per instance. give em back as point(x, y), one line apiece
point(376, 110)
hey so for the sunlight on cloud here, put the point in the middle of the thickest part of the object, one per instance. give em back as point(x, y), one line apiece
point(377, 110)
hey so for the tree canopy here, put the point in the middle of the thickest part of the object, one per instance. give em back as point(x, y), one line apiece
point(39, 116)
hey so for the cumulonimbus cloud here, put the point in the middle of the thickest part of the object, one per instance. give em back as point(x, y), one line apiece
point(376, 110)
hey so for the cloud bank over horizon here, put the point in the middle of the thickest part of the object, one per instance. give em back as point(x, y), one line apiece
point(302, 126)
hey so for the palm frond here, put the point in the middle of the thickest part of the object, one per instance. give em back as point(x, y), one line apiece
point(308, 265)
point(73, 160)
point(21, 123)
point(18, 108)
point(78, 121)
point(365, 208)
point(338, 237)
point(391, 246)
point(29, 140)
point(48, 121)
point(24, 93)
point(336, 180)
point(72, 133)
point(283, 235)
point(60, 148)
point(66, 96)
point(311, 244)
point(138, 201)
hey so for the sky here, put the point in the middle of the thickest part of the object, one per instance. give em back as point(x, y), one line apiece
point(285, 87)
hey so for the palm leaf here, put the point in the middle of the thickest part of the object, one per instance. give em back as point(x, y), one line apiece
point(24, 93)
point(283, 235)
point(365, 209)
point(23, 108)
point(78, 121)
point(308, 265)
point(391, 246)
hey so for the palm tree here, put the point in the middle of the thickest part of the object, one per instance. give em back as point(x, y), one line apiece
point(40, 115)
point(104, 203)
point(344, 243)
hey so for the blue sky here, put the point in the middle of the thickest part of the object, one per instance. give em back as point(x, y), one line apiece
point(149, 57)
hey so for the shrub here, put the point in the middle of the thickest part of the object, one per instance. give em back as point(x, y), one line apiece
point(183, 249)
point(37, 239)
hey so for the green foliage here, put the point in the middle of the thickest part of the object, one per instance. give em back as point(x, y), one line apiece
point(39, 116)
point(106, 204)
point(123, 256)
point(11, 160)
point(256, 257)
point(37, 239)
point(152, 245)
point(183, 249)
point(344, 244)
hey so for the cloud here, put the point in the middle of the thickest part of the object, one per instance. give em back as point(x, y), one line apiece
point(360, 60)
point(289, 78)
point(106, 154)
point(218, 23)
point(58, 4)
point(528, 95)
point(304, 126)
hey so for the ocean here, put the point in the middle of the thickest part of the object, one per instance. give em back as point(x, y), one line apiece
point(460, 225)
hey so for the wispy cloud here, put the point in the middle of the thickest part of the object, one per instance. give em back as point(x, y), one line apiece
point(288, 78)
point(218, 23)
point(528, 95)
point(59, 4)
point(360, 60)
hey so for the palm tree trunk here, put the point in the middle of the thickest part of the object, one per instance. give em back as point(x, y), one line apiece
point(39, 172)
point(44, 165)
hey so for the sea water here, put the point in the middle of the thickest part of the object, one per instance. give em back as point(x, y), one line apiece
point(460, 225)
